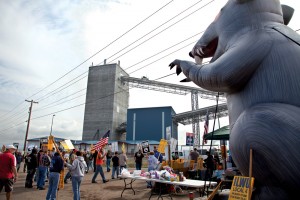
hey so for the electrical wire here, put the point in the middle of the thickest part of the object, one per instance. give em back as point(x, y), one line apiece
point(122, 35)
point(162, 31)
point(172, 18)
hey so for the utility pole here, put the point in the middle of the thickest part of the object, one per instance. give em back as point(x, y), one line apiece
point(28, 122)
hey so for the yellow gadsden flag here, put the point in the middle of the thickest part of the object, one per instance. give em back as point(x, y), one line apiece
point(123, 148)
point(50, 142)
point(162, 145)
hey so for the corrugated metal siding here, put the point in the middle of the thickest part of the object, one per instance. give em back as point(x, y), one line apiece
point(149, 123)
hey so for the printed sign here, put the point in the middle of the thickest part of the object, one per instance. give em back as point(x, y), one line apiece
point(241, 188)
point(145, 146)
point(189, 139)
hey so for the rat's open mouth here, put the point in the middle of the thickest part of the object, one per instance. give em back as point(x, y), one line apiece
point(206, 51)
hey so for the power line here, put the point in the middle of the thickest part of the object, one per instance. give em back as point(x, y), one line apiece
point(172, 18)
point(131, 73)
point(102, 48)
point(162, 51)
point(60, 99)
point(162, 57)
point(165, 5)
point(160, 31)
point(55, 92)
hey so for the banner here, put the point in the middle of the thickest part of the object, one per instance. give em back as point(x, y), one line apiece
point(168, 133)
point(145, 146)
point(173, 144)
point(189, 139)
point(114, 146)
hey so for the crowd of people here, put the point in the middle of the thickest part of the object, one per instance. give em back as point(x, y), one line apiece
point(46, 166)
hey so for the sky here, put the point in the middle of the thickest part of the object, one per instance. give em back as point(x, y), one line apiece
point(46, 49)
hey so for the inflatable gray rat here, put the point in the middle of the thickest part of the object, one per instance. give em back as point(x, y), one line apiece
point(256, 63)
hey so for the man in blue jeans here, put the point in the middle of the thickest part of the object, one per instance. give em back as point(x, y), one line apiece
point(57, 164)
point(44, 163)
point(108, 160)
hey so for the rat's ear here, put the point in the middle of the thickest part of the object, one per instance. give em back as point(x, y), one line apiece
point(287, 13)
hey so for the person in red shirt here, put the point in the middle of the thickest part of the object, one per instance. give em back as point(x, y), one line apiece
point(8, 170)
point(99, 162)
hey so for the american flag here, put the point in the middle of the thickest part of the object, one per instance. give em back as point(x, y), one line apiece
point(205, 127)
point(102, 142)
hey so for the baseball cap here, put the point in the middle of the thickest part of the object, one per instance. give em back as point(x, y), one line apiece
point(10, 146)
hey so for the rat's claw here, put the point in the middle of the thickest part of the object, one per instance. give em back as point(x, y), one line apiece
point(171, 65)
point(178, 70)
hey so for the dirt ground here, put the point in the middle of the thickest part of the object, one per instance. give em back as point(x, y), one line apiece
point(109, 191)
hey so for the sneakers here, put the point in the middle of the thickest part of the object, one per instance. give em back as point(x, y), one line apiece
point(41, 188)
point(105, 181)
point(113, 178)
point(94, 181)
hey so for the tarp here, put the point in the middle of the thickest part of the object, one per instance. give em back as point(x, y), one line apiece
point(220, 134)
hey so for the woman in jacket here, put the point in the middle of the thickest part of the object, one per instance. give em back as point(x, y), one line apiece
point(77, 170)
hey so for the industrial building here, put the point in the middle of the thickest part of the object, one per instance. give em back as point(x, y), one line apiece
point(150, 123)
point(106, 102)
point(107, 108)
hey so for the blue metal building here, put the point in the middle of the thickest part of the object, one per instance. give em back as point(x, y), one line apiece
point(150, 123)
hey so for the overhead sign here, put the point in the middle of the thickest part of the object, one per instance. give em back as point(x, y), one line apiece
point(241, 188)
point(173, 144)
point(145, 146)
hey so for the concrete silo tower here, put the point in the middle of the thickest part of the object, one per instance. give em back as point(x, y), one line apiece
point(106, 102)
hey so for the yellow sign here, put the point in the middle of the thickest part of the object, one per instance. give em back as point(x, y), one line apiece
point(50, 145)
point(61, 179)
point(123, 148)
point(67, 144)
point(162, 145)
point(241, 188)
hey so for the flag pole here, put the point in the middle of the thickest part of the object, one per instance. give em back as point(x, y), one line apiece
point(60, 154)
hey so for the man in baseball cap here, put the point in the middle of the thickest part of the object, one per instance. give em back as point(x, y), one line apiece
point(8, 170)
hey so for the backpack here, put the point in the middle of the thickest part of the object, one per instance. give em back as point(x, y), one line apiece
point(45, 161)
